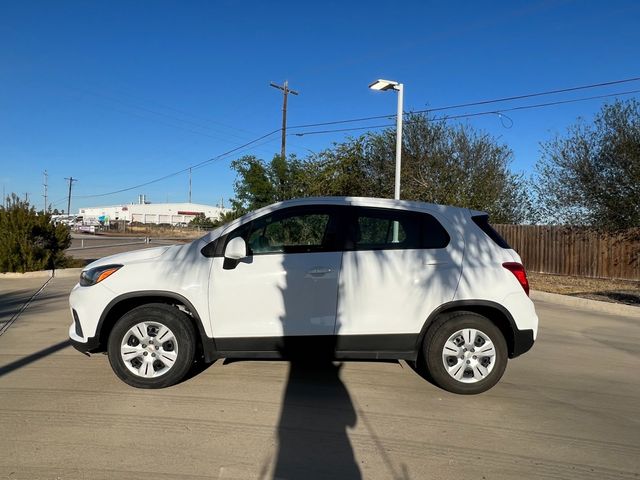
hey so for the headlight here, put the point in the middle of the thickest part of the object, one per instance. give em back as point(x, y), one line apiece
point(97, 274)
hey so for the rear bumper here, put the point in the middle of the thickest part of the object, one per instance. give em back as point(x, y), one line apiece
point(522, 342)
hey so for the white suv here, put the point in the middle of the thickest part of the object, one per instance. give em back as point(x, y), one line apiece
point(334, 277)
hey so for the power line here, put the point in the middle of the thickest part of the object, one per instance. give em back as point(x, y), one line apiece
point(538, 94)
point(370, 127)
point(548, 104)
point(482, 102)
point(476, 114)
point(204, 162)
point(139, 106)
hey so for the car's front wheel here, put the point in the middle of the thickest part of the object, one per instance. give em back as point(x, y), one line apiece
point(152, 346)
point(465, 353)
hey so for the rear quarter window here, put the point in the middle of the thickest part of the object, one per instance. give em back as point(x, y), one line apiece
point(482, 221)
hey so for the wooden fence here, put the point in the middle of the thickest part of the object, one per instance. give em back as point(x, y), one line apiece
point(575, 251)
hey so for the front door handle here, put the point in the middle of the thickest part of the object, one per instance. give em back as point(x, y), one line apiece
point(435, 263)
point(319, 271)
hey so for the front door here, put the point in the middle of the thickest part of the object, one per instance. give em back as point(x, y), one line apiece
point(288, 284)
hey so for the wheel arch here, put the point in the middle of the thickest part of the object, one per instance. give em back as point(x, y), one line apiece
point(128, 301)
point(493, 311)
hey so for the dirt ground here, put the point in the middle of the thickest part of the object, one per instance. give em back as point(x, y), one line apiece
point(616, 291)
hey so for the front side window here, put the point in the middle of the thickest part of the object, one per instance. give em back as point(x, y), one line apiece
point(295, 230)
point(291, 234)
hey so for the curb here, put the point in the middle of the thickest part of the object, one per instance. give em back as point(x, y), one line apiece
point(67, 272)
point(60, 272)
point(38, 274)
point(586, 303)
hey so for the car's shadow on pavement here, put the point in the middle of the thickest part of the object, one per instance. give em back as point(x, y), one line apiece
point(198, 367)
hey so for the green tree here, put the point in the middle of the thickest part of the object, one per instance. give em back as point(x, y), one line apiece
point(29, 241)
point(457, 165)
point(226, 218)
point(453, 165)
point(259, 183)
point(591, 176)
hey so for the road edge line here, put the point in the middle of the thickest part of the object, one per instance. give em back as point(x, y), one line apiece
point(24, 306)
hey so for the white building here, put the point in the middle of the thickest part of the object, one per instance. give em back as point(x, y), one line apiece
point(170, 213)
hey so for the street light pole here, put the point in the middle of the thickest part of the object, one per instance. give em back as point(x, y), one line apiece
point(400, 89)
point(384, 85)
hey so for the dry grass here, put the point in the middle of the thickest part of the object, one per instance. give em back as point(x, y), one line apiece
point(617, 291)
point(166, 233)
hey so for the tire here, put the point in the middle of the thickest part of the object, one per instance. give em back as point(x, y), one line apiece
point(152, 346)
point(471, 371)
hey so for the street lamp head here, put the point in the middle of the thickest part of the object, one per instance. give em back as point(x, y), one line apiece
point(383, 85)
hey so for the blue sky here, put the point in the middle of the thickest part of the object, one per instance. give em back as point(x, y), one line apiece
point(119, 93)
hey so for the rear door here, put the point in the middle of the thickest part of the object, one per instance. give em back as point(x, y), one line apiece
point(390, 281)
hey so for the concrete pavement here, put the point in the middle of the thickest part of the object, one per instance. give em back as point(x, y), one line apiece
point(567, 409)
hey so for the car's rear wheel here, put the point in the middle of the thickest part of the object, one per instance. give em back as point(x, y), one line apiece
point(152, 346)
point(465, 353)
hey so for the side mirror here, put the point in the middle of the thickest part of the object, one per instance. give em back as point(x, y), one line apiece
point(236, 249)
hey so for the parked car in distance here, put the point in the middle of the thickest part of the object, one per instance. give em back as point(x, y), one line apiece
point(332, 277)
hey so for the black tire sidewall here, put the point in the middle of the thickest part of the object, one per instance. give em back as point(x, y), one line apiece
point(438, 335)
point(173, 319)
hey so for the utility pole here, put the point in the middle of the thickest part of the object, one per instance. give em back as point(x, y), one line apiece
point(285, 93)
point(189, 184)
point(46, 176)
point(70, 180)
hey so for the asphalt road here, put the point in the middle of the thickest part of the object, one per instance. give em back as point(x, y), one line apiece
point(569, 409)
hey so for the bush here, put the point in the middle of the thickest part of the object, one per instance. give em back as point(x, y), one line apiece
point(201, 221)
point(29, 241)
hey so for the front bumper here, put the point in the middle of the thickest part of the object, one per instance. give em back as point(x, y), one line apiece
point(90, 346)
point(85, 305)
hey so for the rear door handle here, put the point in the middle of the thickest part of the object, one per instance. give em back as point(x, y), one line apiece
point(319, 271)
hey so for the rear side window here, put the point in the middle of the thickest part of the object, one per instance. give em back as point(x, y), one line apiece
point(482, 221)
point(378, 229)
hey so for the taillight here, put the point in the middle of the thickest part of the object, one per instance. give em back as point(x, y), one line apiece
point(518, 270)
